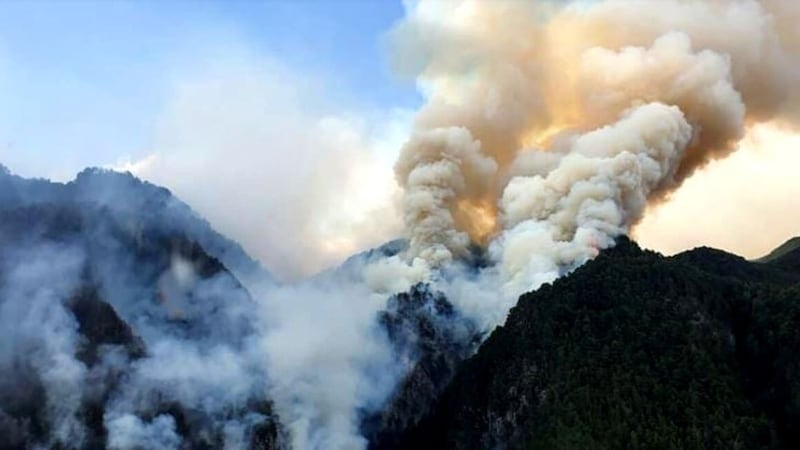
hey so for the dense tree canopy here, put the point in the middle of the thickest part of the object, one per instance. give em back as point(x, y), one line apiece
point(635, 350)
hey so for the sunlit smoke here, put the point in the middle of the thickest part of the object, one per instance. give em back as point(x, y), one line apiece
point(548, 129)
point(542, 138)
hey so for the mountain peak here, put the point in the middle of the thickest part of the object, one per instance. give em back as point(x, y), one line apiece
point(134, 201)
point(787, 247)
point(103, 274)
point(623, 246)
point(786, 257)
point(634, 349)
point(93, 175)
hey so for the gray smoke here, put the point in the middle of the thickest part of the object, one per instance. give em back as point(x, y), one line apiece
point(197, 357)
point(110, 310)
point(38, 335)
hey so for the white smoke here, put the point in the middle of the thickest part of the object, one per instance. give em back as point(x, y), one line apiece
point(129, 431)
point(251, 146)
point(320, 350)
point(598, 188)
point(548, 130)
point(38, 335)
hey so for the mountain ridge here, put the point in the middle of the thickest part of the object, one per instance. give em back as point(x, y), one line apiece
point(633, 350)
point(109, 280)
point(136, 201)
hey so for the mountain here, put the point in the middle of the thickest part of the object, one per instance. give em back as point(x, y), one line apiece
point(785, 256)
point(145, 309)
point(423, 327)
point(634, 350)
point(120, 320)
point(136, 203)
point(127, 322)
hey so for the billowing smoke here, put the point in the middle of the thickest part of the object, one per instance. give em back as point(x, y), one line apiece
point(125, 325)
point(596, 189)
point(549, 127)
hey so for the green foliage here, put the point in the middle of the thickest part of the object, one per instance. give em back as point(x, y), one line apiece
point(635, 350)
point(787, 247)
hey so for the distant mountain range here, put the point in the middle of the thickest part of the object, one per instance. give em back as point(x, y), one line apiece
point(110, 288)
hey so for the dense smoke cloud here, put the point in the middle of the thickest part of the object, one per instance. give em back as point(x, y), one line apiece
point(550, 126)
point(599, 186)
point(548, 130)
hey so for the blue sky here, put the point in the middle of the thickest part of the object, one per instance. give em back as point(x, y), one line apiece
point(83, 83)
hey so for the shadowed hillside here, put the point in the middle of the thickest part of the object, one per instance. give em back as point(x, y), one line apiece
point(635, 350)
point(112, 309)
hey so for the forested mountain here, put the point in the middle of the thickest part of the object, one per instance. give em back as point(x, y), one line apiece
point(133, 202)
point(118, 319)
point(635, 350)
point(125, 323)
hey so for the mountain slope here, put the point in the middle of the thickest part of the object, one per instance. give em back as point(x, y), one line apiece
point(124, 323)
point(634, 350)
point(137, 204)
point(786, 256)
point(118, 328)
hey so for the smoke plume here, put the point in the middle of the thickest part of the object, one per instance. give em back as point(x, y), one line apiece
point(548, 130)
point(549, 127)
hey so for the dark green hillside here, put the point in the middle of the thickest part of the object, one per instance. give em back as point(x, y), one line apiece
point(787, 256)
point(635, 350)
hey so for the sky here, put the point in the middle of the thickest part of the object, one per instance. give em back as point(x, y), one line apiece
point(267, 118)
point(83, 83)
point(280, 122)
